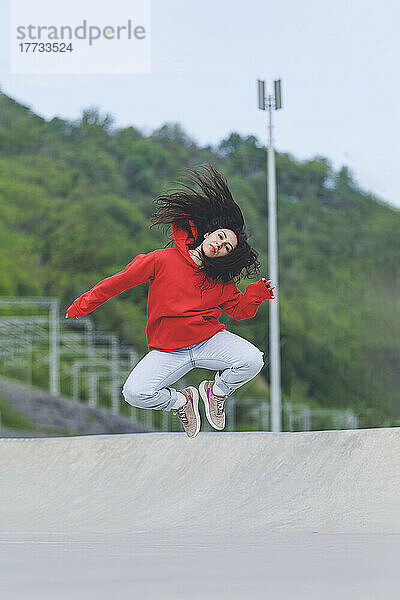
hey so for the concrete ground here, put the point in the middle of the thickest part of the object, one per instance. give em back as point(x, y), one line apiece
point(285, 516)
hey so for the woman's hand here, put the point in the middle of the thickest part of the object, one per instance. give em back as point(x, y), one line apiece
point(267, 283)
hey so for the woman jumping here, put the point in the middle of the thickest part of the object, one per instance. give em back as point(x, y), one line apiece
point(189, 284)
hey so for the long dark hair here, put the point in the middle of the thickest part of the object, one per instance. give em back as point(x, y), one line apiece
point(210, 206)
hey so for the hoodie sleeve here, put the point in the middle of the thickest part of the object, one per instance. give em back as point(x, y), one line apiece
point(244, 305)
point(140, 270)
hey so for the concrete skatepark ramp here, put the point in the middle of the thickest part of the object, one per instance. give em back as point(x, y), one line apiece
point(232, 510)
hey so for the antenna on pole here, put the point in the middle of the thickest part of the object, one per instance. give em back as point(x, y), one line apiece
point(274, 341)
point(261, 94)
point(278, 97)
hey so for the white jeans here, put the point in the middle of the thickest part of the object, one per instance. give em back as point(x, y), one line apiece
point(235, 359)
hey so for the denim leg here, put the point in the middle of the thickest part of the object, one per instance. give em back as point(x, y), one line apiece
point(235, 359)
point(147, 384)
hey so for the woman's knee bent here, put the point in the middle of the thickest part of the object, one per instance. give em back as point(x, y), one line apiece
point(255, 362)
point(136, 396)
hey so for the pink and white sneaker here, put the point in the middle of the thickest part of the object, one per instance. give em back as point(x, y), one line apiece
point(214, 405)
point(189, 413)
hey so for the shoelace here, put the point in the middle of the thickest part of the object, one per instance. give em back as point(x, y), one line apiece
point(182, 414)
point(220, 401)
point(220, 405)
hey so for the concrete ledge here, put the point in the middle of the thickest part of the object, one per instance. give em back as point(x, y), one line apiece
point(328, 481)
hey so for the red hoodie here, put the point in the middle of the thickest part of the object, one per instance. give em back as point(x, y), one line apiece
point(179, 314)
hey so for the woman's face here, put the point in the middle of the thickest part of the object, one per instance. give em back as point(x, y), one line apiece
point(219, 243)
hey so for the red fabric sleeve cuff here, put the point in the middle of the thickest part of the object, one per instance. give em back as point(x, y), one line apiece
point(270, 292)
point(72, 312)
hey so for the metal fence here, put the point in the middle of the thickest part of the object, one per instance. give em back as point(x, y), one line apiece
point(91, 366)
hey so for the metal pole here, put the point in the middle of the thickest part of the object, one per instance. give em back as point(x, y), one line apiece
point(114, 375)
point(53, 347)
point(275, 370)
point(75, 382)
point(30, 362)
point(92, 378)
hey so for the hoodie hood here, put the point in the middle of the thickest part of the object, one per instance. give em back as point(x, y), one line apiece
point(182, 238)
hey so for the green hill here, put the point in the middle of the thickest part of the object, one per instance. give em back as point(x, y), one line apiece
point(75, 202)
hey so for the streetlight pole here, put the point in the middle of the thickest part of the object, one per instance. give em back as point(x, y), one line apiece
point(274, 345)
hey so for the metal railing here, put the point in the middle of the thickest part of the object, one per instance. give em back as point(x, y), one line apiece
point(80, 358)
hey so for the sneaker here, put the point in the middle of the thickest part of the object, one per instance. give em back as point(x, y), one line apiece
point(214, 405)
point(189, 413)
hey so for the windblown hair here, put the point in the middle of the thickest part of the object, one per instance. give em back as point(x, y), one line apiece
point(210, 206)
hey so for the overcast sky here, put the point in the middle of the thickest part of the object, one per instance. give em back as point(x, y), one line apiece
point(338, 61)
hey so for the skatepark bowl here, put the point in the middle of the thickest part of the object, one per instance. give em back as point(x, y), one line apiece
point(289, 516)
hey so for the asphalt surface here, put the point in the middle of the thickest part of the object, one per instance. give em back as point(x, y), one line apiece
point(226, 515)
